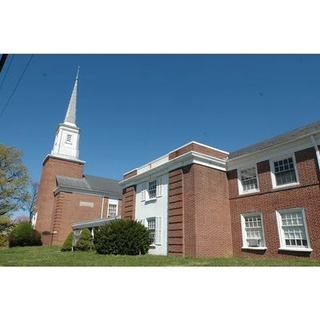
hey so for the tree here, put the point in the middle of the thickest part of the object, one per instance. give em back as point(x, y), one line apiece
point(14, 180)
point(32, 203)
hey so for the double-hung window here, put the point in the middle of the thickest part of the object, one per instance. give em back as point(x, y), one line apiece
point(112, 208)
point(152, 189)
point(293, 230)
point(284, 172)
point(248, 180)
point(152, 229)
point(252, 231)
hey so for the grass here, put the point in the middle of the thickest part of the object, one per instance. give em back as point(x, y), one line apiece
point(52, 256)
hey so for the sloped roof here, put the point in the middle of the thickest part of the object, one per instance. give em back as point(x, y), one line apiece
point(286, 137)
point(93, 184)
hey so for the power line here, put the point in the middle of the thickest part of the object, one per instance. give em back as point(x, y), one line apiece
point(5, 75)
point(17, 85)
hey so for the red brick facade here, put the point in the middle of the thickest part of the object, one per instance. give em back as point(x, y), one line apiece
point(51, 168)
point(306, 195)
point(128, 203)
point(58, 211)
point(199, 214)
point(198, 148)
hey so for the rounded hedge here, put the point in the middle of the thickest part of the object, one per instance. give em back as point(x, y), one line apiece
point(24, 235)
point(67, 245)
point(85, 242)
point(122, 237)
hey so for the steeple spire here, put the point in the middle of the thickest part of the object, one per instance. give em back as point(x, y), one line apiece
point(72, 108)
point(66, 143)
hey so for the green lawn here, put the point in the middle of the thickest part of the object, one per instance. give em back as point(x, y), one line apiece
point(52, 256)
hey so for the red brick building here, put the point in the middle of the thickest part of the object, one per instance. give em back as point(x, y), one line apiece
point(260, 201)
point(66, 195)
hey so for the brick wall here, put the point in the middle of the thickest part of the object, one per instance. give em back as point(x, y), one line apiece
point(45, 204)
point(175, 213)
point(199, 214)
point(128, 203)
point(68, 211)
point(198, 148)
point(267, 201)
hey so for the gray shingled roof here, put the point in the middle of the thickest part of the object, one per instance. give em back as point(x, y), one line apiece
point(289, 136)
point(107, 186)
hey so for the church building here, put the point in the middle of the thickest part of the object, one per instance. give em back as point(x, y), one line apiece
point(66, 194)
point(197, 200)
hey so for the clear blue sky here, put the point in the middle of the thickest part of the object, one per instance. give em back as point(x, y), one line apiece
point(135, 108)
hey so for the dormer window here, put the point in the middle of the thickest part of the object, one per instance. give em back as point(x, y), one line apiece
point(69, 139)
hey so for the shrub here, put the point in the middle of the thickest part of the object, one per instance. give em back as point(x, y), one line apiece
point(24, 235)
point(85, 242)
point(67, 245)
point(124, 237)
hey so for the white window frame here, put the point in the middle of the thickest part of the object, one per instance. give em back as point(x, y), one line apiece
point(240, 187)
point(155, 190)
point(273, 176)
point(144, 190)
point(244, 234)
point(283, 245)
point(155, 228)
point(113, 202)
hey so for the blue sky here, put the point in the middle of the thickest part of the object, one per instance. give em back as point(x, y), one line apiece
point(135, 108)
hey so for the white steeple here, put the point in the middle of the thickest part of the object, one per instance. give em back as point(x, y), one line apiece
point(66, 144)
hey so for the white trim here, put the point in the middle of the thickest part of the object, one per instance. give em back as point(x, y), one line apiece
point(240, 186)
point(181, 161)
point(167, 155)
point(314, 142)
point(272, 171)
point(281, 235)
point(292, 146)
point(254, 248)
point(113, 202)
point(243, 230)
point(102, 204)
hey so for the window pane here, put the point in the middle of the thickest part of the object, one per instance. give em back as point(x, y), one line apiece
point(294, 229)
point(253, 231)
point(248, 179)
point(152, 189)
point(284, 171)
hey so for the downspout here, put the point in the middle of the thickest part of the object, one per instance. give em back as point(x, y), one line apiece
point(101, 213)
point(316, 149)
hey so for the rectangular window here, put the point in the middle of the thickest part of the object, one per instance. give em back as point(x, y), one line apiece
point(292, 229)
point(152, 228)
point(248, 180)
point(284, 172)
point(252, 231)
point(112, 210)
point(152, 190)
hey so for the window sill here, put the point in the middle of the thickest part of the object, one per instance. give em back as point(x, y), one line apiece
point(254, 248)
point(246, 193)
point(286, 186)
point(150, 200)
point(296, 249)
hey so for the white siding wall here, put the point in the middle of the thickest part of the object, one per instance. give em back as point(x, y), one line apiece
point(157, 207)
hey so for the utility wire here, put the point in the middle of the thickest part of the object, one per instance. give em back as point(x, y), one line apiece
point(7, 70)
point(16, 87)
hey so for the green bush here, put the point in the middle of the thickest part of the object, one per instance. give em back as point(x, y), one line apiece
point(85, 242)
point(67, 245)
point(24, 235)
point(124, 237)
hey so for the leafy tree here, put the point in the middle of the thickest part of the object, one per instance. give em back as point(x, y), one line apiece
point(14, 180)
point(32, 203)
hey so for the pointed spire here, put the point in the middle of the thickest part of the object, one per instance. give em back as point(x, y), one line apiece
point(72, 108)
